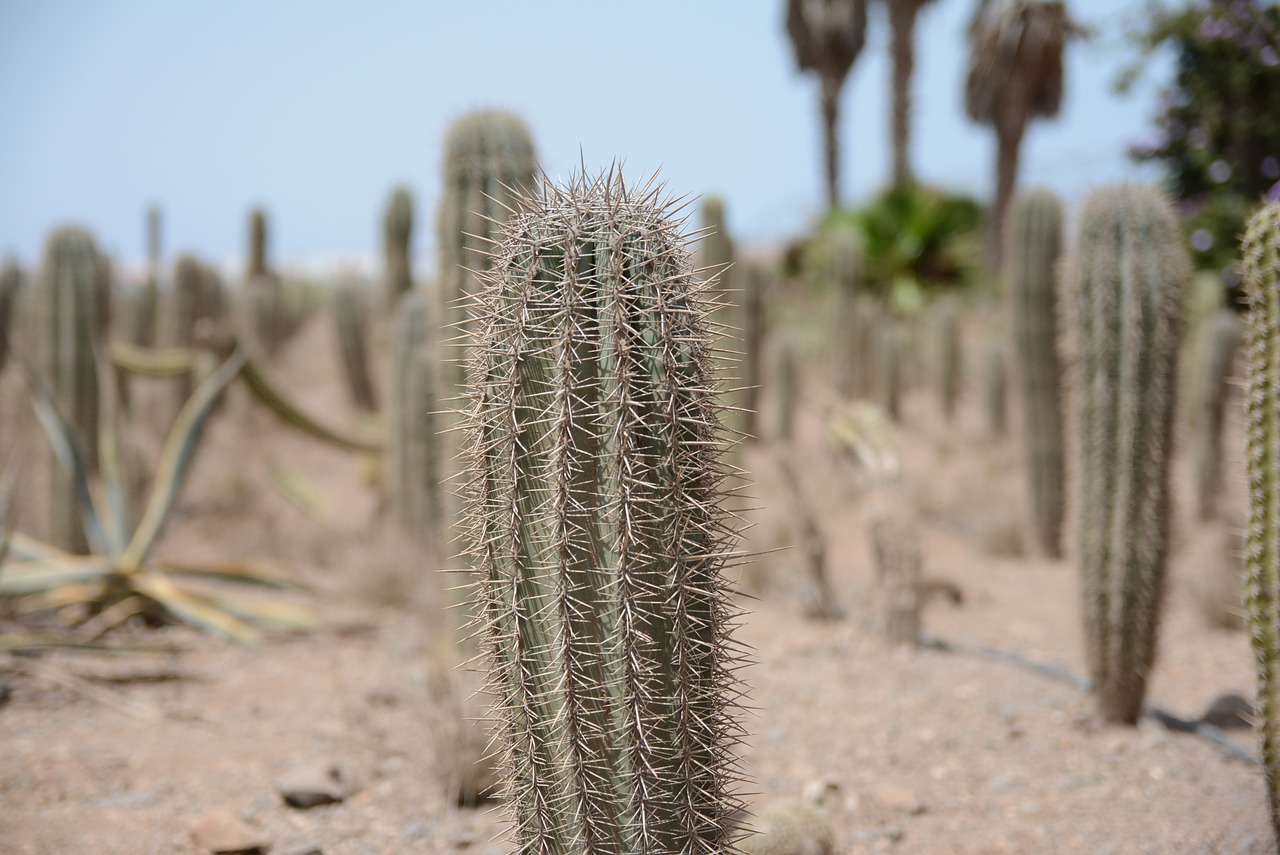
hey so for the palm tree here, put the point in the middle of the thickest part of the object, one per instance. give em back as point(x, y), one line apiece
point(827, 36)
point(1015, 75)
point(902, 26)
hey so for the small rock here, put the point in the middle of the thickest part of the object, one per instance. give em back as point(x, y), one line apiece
point(312, 786)
point(897, 797)
point(1229, 711)
point(223, 833)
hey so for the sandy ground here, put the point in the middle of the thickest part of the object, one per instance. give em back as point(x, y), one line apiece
point(917, 750)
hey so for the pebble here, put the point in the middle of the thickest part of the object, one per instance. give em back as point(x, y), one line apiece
point(223, 833)
point(312, 786)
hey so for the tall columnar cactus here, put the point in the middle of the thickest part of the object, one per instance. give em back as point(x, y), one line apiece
point(889, 369)
point(397, 228)
point(755, 281)
point(785, 378)
point(417, 499)
point(185, 302)
point(1035, 243)
point(72, 302)
point(598, 529)
point(1218, 350)
point(1261, 267)
point(1125, 277)
point(264, 322)
point(947, 357)
point(349, 323)
point(994, 389)
point(845, 248)
point(488, 160)
point(10, 285)
point(146, 314)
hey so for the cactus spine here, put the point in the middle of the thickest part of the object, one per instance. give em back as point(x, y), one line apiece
point(1261, 268)
point(1219, 347)
point(1035, 242)
point(397, 227)
point(598, 529)
point(416, 493)
point(73, 298)
point(1125, 278)
point(349, 323)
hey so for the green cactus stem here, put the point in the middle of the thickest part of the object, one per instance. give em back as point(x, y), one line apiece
point(73, 298)
point(889, 368)
point(1125, 277)
point(350, 322)
point(598, 529)
point(10, 285)
point(1218, 349)
point(397, 229)
point(417, 500)
point(1261, 269)
point(994, 390)
point(845, 250)
point(264, 322)
point(755, 280)
point(947, 357)
point(1035, 243)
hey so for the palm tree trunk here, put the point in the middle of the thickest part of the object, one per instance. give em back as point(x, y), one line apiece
point(1008, 146)
point(902, 24)
point(830, 126)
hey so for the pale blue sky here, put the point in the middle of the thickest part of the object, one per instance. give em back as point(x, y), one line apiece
point(315, 109)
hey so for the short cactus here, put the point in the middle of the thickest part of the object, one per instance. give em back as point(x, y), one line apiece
point(598, 530)
point(1125, 278)
point(1261, 269)
point(397, 235)
point(1035, 242)
point(1222, 333)
point(73, 299)
point(350, 327)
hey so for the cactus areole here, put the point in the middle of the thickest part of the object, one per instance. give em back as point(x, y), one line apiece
point(597, 527)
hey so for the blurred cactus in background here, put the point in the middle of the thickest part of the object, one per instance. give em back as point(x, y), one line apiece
point(350, 325)
point(756, 279)
point(397, 237)
point(845, 260)
point(488, 159)
point(417, 500)
point(264, 324)
point(947, 357)
point(10, 286)
point(1222, 335)
point(995, 396)
point(889, 364)
point(1125, 277)
point(1035, 243)
point(145, 316)
point(785, 378)
point(72, 301)
point(598, 529)
point(1261, 269)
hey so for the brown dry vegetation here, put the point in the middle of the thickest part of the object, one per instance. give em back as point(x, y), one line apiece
point(919, 751)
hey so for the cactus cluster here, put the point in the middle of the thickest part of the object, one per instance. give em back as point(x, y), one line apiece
point(1261, 269)
point(598, 530)
point(1035, 243)
point(72, 302)
point(1125, 278)
point(350, 323)
point(397, 235)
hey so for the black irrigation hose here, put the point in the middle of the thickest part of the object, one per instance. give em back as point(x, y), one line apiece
point(1214, 735)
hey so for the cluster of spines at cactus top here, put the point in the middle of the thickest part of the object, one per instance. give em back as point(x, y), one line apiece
point(1261, 269)
point(598, 529)
point(1035, 243)
point(1125, 277)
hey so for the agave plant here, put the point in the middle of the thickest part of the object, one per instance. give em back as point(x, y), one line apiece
point(119, 578)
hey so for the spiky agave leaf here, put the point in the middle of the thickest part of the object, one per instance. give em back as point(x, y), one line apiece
point(289, 412)
point(152, 362)
point(597, 526)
